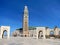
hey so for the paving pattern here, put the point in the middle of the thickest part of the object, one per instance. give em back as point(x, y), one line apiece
point(29, 41)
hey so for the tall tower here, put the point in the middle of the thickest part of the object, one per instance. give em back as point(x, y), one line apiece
point(25, 22)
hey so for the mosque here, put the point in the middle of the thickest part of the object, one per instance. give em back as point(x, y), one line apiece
point(37, 32)
point(26, 31)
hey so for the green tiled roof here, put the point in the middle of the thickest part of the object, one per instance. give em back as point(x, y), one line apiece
point(30, 28)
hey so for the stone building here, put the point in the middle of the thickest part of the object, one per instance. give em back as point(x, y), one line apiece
point(38, 32)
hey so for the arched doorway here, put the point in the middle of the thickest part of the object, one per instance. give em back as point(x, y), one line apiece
point(4, 35)
point(40, 34)
point(51, 33)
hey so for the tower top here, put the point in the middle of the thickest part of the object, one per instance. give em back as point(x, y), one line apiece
point(25, 7)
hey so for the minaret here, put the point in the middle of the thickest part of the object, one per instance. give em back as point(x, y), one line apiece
point(25, 22)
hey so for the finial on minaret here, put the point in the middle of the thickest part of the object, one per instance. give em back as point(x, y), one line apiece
point(25, 6)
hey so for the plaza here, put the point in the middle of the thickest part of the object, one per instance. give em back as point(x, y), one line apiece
point(29, 41)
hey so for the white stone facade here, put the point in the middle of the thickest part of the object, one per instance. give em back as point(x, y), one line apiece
point(44, 32)
point(4, 28)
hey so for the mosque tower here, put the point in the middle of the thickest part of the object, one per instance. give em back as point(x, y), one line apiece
point(25, 22)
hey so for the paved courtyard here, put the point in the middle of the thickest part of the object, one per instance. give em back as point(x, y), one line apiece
point(29, 41)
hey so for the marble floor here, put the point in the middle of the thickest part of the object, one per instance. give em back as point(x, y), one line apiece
point(29, 41)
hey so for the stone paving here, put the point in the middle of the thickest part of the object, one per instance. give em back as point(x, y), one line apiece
point(29, 41)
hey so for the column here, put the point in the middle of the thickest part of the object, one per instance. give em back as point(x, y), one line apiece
point(8, 32)
point(44, 34)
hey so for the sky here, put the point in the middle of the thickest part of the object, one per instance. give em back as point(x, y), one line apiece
point(41, 13)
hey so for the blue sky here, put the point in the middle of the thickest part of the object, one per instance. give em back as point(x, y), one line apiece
point(41, 13)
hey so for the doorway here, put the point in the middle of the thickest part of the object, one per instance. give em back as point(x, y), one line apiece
point(4, 35)
point(40, 34)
